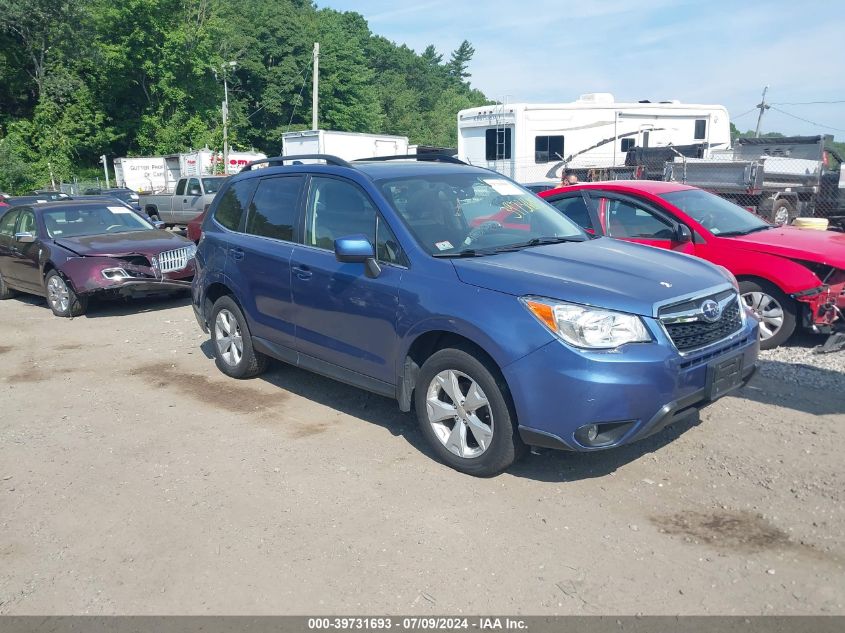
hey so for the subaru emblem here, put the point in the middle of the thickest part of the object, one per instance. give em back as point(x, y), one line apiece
point(711, 311)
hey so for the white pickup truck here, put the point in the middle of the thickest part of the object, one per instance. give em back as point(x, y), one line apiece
point(190, 198)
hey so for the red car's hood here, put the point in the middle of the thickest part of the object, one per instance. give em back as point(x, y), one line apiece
point(823, 247)
point(147, 243)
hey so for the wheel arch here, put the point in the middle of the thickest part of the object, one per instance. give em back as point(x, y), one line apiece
point(431, 341)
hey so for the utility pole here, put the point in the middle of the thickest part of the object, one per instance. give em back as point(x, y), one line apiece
point(225, 111)
point(105, 169)
point(315, 88)
point(763, 107)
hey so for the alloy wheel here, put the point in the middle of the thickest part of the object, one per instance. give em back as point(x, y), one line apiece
point(459, 414)
point(228, 338)
point(58, 294)
point(767, 310)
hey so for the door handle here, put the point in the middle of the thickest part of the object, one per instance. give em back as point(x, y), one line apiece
point(237, 254)
point(303, 272)
point(185, 200)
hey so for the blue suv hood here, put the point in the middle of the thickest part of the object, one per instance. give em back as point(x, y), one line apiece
point(605, 273)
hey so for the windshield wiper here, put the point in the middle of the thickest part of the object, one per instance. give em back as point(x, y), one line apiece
point(764, 227)
point(469, 252)
point(537, 241)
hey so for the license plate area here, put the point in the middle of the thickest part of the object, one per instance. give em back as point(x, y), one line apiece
point(724, 376)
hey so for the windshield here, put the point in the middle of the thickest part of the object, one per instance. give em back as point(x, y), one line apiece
point(716, 214)
point(454, 214)
point(92, 220)
point(211, 185)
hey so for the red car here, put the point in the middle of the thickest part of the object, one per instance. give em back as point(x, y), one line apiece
point(787, 276)
point(194, 230)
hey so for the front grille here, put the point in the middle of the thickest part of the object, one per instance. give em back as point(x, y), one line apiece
point(693, 331)
point(177, 259)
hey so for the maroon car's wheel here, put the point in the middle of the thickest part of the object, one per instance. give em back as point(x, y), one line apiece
point(61, 298)
point(5, 291)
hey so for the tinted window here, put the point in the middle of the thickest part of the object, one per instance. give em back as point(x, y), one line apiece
point(274, 207)
point(575, 209)
point(180, 188)
point(193, 186)
point(700, 129)
point(387, 246)
point(625, 219)
point(234, 203)
point(627, 143)
point(498, 143)
point(7, 223)
point(548, 149)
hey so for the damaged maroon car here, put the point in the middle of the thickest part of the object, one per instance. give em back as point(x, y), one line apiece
point(72, 250)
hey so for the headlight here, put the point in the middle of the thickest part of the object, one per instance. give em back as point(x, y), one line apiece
point(192, 250)
point(583, 326)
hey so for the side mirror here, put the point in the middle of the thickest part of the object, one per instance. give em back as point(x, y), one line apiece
point(683, 235)
point(24, 238)
point(356, 249)
point(195, 191)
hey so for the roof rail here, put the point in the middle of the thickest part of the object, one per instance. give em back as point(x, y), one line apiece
point(280, 160)
point(439, 158)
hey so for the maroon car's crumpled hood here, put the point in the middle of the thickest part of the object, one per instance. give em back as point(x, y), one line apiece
point(823, 247)
point(147, 243)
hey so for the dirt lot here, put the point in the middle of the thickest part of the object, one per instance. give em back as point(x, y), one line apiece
point(135, 478)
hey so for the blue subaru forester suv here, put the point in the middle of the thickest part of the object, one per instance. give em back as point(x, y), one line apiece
point(464, 296)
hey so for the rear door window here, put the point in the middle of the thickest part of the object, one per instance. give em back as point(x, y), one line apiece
point(234, 203)
point(275, 207)
point(7, 224)
point(180, 187)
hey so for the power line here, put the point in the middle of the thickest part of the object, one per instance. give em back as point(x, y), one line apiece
point(807, 102)
point(738, 116)
point(829, 127)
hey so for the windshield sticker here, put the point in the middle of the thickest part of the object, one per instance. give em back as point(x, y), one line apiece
point(119, 210)
point(445, 245)
point(503, 187)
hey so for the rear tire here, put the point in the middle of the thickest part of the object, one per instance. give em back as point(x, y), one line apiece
point(5, 291)
point(782, 212)
point(481, 438)
point(234, 354)
point(776, 312)
point(61, 298)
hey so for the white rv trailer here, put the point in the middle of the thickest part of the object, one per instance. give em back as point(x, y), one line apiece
point(346, 145)
point(534, 142)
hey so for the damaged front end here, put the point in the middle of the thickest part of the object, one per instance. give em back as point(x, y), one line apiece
point(824, 304)
point(131, 274)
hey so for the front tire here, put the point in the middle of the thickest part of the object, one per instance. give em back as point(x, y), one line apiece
point(5, 291)
point(465, 413)
point(782, 213)
point(234, 354)
point(61, 298)
point(776, 312)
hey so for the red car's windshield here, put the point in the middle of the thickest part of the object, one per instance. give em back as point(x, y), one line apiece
point(717, 215)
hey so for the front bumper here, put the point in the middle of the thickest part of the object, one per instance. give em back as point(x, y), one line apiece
point(86, 276)
point(635, 391)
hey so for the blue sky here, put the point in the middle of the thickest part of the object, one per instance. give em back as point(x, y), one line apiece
point(702, 51)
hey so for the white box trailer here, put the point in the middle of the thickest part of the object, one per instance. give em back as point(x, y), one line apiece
point(154, 174)
point(205, 162)
point(346, 145)
point(143, 173)
point(534, 142)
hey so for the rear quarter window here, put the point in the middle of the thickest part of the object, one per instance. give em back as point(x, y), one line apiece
point(234, 203)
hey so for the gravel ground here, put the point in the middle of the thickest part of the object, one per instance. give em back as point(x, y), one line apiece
point(136, 479)
point(797, 362)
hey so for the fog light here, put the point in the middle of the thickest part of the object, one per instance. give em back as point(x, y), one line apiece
point(115, 273)
point(603, 434)
point(591, 432)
